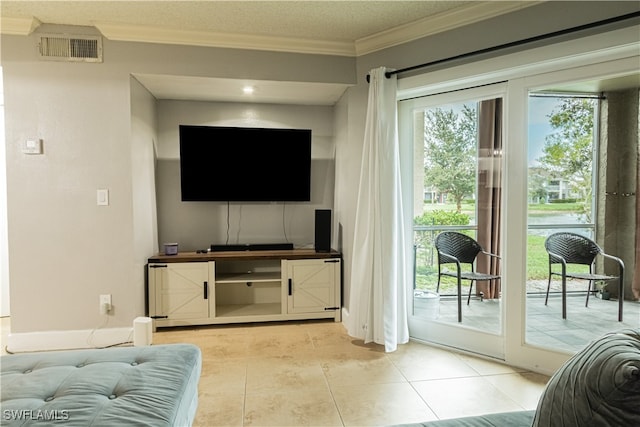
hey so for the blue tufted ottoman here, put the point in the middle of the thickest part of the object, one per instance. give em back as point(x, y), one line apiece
point(132, 386)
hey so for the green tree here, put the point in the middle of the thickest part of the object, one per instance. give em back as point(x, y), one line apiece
point(537, 188)
point(450, 151)
point(568, 151)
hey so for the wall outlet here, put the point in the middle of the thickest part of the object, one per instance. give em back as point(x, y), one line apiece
point(105, 304)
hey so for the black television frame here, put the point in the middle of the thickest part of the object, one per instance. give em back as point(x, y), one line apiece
point(244, 164)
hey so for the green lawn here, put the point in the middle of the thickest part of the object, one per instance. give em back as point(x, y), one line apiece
point(537, 264)
point(469, 207)
point(555, 207)
point(537, 258)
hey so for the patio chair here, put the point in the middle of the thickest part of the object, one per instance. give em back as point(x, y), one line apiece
point(457, 248)
point(569, 248)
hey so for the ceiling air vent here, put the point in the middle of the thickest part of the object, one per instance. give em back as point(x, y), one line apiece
point(57, 47)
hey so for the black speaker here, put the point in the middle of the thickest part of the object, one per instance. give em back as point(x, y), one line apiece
point(323, 230)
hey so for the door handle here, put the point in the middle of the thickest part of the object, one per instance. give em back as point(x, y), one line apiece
point(206, 290)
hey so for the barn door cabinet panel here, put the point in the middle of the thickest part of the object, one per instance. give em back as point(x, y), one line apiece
point(313, 286)
point(180, 293)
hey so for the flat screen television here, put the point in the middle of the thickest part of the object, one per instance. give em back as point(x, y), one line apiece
point(239, 164)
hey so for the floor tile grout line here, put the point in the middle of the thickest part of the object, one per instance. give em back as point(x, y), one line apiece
point(411, 383)
point(244, 395)
point(333, 398)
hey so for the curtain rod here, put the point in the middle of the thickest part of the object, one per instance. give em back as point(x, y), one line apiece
point(615, 19)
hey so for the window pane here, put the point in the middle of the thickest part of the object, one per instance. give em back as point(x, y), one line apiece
point(562, 148)
point(458, 188)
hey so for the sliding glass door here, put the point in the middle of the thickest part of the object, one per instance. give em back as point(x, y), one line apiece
point(533, 193)
point(575, 165)
point(457, 143)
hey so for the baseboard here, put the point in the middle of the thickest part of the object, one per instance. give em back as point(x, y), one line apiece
point(345, 317)
point(68, 340)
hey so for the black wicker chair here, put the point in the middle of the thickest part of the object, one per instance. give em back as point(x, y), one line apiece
point(570, 248)
point(457, 248)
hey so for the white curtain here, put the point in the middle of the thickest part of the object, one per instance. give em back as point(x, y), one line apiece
point(378, 298)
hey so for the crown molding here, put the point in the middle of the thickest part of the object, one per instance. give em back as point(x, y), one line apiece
point(476, 12)
point(148, 34)
point(438, 23)
point(18, 26)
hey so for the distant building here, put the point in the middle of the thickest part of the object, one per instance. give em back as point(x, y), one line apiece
point(558, 189)
point(545, 188)
point(431, 195)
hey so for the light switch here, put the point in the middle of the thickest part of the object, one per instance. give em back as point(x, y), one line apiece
point(103, 197)
point(32, 146)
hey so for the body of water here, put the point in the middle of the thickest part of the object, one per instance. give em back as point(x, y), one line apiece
point(555, 221)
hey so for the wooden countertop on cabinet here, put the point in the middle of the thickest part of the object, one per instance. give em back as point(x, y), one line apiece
point(243, 255)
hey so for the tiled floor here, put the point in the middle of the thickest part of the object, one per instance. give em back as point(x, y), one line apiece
point(545, 325)
point(313, 373)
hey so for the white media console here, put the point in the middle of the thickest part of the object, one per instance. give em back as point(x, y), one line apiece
point(243, 286)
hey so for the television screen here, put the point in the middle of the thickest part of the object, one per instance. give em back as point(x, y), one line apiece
point(234, 164)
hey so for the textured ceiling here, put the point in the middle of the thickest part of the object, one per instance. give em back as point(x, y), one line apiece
point(287, 25)
point(324, 27)
point(326, 20)
point(330, 27)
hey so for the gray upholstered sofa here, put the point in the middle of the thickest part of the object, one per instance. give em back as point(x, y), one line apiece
point(598, 387)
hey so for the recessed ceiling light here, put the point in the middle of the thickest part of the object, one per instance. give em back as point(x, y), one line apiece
point(248, 90)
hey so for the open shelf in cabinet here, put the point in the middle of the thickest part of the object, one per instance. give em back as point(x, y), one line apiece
point(243, 271)
point(268, 276)
point(242, 310)
point(249, 297)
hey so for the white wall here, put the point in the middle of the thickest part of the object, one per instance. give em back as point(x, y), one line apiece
point(64, 250)
point(99, 127)
point(350, 109)
point(143, 155)
point(4, 250)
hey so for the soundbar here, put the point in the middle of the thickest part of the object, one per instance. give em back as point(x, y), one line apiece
point(253, 247)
